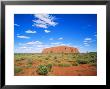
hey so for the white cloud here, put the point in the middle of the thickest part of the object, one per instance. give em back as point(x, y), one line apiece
point(62, 44)
point(30, 43)
point(23, 47)
point(17, 34)
point(23, 37)
point(33, 43)
point(85, 41)
point(32, 48)
point(47, 31)
point(56, 43)
point(40, 25)
point(44, 20)
point(16, 25)
point(30, 31)
point(87, 45)
point(51, 39)
point(61, 38)
point(21, 44)
point(88, 39)
point(36, 46)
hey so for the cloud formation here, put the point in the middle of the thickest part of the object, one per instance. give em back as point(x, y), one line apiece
point(23, 37)
point(51, 39)
point(30, 31)
point(16, 25)
point(44, 20)
point(34, 43)
point(56, 43)
point(47, 31)
point(87, 41)
point(61, 38)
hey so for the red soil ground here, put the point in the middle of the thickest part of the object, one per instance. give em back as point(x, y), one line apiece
point(81, 70)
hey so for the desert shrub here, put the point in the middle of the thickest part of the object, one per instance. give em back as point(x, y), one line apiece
point(93, 64)
point(82, 61)
point(93, 60)
point(55, 57)
point(69, 56)
point(64, 65)
point(29, 65)
point(93, 55)
point(57, 61)
point(17, 69)
point(75, 64)
point(19, 58)
point(49, 66)
point(47, 58)
point(42, 70)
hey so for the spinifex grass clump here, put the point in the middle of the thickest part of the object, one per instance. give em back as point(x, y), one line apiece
point(30, 61)
point(82, 61)
point(93, 64)
point(64, 65)
point(49, 66)
point(47, 58)
point(42, 70)
point(74, 64)
point(17, 69)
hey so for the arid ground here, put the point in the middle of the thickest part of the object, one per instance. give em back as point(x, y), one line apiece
point(64, 64)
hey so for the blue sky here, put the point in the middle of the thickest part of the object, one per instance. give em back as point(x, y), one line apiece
point(34, 32)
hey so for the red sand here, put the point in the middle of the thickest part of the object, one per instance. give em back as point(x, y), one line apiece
point(81, 70)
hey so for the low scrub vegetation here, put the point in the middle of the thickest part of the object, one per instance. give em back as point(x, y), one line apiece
point(82, 61)
point(64, 65)
point(49, 66)
point(17, 69)
point(45, 62)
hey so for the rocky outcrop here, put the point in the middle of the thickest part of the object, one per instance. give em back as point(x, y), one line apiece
point(61, 49)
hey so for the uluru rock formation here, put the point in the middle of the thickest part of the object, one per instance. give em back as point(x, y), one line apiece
point(60, 49)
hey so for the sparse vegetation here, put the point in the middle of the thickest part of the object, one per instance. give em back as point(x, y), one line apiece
point(45, 63)
point(17, 69)
point(49, 66)
point(82, 61)
point(64, 65)
point(93, 64)
point(75, 64)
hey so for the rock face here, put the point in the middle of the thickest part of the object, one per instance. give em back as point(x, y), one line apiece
point(61, 49)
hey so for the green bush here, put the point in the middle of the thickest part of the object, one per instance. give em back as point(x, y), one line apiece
point(93, 64)
point(55, 57)
point(42, 70)
point(17, 69)
point(93, 60)
point(29, 65)
point(29, 61)
point(74, 64)
point(82, 61)
point(49, 66)
point(64, 65)
point(46, 58)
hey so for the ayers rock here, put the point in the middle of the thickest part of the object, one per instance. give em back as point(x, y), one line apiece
point(60, 49)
